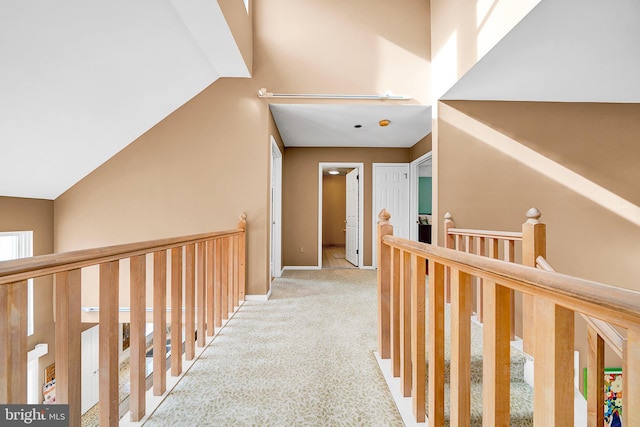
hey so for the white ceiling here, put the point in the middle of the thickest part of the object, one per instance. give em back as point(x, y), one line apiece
point(332, 125)
point(80, 80)
point(565, 51)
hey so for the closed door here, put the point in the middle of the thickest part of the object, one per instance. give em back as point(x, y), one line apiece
point(391, 192)
point(351, 239)
point(90, 363)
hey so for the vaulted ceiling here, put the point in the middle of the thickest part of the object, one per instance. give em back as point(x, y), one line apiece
point(81, 80)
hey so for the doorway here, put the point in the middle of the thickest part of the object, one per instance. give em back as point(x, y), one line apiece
point(276, 210)
point(422, 199)
point(340, 215)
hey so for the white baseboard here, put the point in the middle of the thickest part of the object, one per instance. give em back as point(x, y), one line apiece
point(403, 404)
point(301, 267)
point(368, 267)
point(258, 297)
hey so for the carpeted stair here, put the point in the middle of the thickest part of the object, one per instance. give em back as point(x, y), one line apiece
point(521, 392)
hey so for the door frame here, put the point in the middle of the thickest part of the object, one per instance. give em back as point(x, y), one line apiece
point(374, 199)
point(414, 179)
point(360, 166)
point(275, 247)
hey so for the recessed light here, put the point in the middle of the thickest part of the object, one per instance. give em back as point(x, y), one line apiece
point(384, 122)
point(334, 172)
point(357, 126)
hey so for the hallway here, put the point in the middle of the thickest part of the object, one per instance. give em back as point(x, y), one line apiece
point(333, 257)
point(305, 357)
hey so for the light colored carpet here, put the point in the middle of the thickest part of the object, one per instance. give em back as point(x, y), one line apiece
point(304, 358)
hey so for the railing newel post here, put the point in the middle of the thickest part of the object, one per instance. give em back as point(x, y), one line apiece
point(534, 244)
point(384, 286)
point(242, 257)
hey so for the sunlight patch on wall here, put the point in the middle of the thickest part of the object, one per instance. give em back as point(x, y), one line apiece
point(445, 68)
point(555, 171)
point(398, 69)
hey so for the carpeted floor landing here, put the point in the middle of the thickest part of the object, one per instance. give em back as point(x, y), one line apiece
point(304, 358)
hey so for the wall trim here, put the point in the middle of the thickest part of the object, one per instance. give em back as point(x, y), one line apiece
point(258, 297)
point(301, 267)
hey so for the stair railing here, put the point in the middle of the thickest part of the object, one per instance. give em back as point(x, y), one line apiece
point(599, 333)
point(554, 297)
point(212, 286)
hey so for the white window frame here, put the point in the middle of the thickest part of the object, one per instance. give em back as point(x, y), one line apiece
point(22, 247)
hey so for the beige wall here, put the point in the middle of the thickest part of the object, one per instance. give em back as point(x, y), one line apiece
point(462, 32)
point(421, 148)
point(198, 168)
point(335, 46)
point(334, 209)
point(300, 196)
point(17, 214)
point(193, 172)
point(488, 180)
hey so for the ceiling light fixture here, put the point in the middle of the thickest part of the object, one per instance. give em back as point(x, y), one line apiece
point(384, 122)
point(334, 172)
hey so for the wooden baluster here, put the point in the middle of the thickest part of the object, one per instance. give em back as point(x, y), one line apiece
point(210, 288)
point(509, 256)
point(480, 250)
point(394, 307)
point(190, 302)
point(68, 342)
point(176, 311)
point(224, 259)
point(13, 343)
point(534, 244)
point(496, 376)
point(159, 322)
point(109, 341)
point(461, 309)
point(449, 242)
point(242, 225)
point(405, 323)
point(436, 344)
point(201, 294)
point(137, 352)
point(418, 366)
point(631, 378)
point(230, 279)
point(384, 286)
point(236, 271)
point(217, 283)
point(553, 365)
point(595, 379)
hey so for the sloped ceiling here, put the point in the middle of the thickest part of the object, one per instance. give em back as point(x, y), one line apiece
point(81, 80)
point(564, 51)
point(333, 125)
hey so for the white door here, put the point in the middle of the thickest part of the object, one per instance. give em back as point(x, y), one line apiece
point(351, 239)
point(276, 210)
point(391, 192)
point(90, 363)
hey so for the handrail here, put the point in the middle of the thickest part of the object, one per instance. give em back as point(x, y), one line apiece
point(207, 268)
point(43, 265)
point(489, 234)
point(604, 329)
point(599, 300)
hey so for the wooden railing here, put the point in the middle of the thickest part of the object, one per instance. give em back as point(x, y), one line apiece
point(599, 333)
point(212, 285)
point(554, 297)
